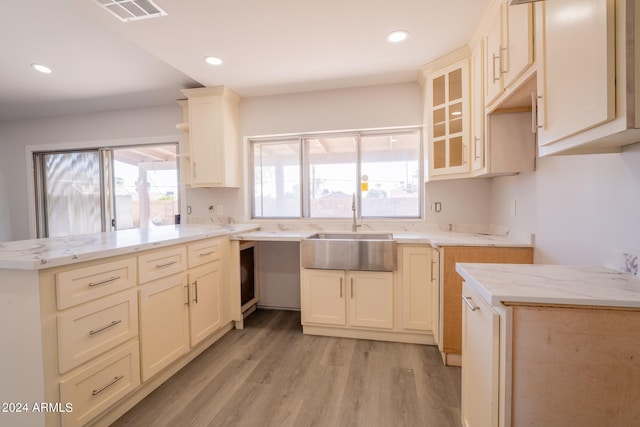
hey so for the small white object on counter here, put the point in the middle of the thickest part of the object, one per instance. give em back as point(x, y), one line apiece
point(552, 284)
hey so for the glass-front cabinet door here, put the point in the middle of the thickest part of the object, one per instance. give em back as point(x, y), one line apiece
point(448, 120)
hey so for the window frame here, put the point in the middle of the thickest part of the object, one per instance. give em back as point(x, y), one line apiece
point(304, 167)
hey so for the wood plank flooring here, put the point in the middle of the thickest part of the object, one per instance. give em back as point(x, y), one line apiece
point(270, 374)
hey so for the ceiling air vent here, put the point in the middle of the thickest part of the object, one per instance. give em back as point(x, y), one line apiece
point(132, 10)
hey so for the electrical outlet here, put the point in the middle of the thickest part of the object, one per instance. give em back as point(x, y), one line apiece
point(219, 210)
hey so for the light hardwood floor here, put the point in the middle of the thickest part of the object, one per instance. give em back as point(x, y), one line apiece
point(270, 374)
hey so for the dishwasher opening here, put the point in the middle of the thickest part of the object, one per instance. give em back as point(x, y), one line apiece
point(249, 289)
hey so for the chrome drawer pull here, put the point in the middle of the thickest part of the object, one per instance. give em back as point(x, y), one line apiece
point(166, 264)
point(101, 389)
point(208, 253)
point(102, 282)
point(114, 323)
point(195, 291)
point(467, 301)
point(341, 287)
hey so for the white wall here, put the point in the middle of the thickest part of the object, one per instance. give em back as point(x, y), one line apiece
point(579, 207)
point(17, 135)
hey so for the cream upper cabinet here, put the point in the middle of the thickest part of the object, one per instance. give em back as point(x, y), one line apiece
point(360, 299)
point(494, 83)
point(477, 108)
point(213, 137)
point(447, 115)
point(587, 95)
point(509, 47)
point(480, 361)
point(518, 25)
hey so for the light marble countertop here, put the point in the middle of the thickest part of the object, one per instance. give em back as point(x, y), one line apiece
point(433, 238)
point(552, 284)
point(37, 254)
point(44, 253)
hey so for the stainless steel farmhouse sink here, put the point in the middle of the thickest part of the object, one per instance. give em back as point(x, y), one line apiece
point(349, 251)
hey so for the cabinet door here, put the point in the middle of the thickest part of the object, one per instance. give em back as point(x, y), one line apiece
point(205, 305)
point(206, 140)
point(435, 295)
point(323, 296)
point(448, 101)
point(164, 323)
point(477, 108)
point(518, 55)
point(576, 82)
point(480, 362)
point(494, 62)
point(371, 299)
point(417, 288)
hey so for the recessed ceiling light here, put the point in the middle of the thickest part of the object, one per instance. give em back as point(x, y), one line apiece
point(397, 36)
point(42, 68)
point(212, 60)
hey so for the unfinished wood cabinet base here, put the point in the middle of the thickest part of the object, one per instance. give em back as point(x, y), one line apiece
point(575, 366)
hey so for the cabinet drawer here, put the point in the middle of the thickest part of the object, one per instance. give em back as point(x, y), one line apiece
point(203, 252)
point(162, 263)
point(94, 328)
point(81, 285)
point(94, 388)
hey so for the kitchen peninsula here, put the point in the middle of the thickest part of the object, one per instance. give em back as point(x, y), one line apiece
point(550, 345)
point(90, 319)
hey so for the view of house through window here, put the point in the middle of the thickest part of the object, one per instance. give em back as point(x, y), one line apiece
point(87, 191)
point(317, 176)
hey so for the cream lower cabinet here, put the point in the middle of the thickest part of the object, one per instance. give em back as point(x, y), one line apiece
point(164, 323)
point(361, 299)
point(480, 351)
point(205, 301)
point(418, 278)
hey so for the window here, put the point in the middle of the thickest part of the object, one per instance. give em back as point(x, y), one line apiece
point(317, 176)
point(88, 191)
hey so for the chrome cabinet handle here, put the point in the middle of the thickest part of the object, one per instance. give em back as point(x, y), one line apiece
point(352, 287)
point(341, 287)
point(477, 140)
point(195, 291)
point(207, 253)
point(193, 169)
point(468, 301)
point(166, 264)
point(114, 323)
point(102, 282)
point(433, 263)
point(502, 61)
point(103, 388)
point(493, 73)
point(535, 122)
point(186, 287)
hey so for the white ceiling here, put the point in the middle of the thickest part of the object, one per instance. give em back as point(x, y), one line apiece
point(268, 47)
